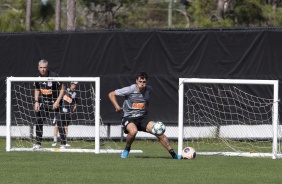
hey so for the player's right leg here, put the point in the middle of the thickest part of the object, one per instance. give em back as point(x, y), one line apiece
point(55, 133)
point(62, 132)
point(67, 131)
point(38, 130)
point(66, 126)
point(131, 130)
point(61, 122)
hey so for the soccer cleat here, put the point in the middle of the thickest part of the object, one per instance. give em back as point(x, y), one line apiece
point(63, 147)
point(54, 144)
point(36, 147)
point(124, 154)
point(67, 145)
point(176, 156)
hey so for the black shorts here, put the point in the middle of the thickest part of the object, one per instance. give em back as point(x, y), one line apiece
point(65, 119)
point(141, 123)
point(46, 111)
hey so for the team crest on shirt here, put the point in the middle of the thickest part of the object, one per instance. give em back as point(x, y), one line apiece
point(49, 84)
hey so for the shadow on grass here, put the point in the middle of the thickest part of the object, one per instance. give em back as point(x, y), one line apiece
point(162, 157)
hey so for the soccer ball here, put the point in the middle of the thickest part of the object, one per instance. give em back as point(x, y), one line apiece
point(188, 153)
point(158, 128)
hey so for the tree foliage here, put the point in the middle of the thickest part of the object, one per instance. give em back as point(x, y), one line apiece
point(110, 14)
point(13, 19)
point(239, 13)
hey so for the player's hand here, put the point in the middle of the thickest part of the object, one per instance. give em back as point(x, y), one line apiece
point(56, 105)
point(36, 106)
point(118, 109)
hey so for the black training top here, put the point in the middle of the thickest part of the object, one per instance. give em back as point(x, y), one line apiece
point(49, 91)
point(69, 100)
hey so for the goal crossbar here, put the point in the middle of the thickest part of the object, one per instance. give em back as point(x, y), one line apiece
point(274, 83)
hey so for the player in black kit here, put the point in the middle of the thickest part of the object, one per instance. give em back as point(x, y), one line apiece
point(69, 105)
point(47, 97)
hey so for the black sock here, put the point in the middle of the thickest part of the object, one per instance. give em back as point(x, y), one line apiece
point(127, 148)
point(171, 151)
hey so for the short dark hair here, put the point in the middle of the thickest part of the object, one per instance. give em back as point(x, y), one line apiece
point(142, 75)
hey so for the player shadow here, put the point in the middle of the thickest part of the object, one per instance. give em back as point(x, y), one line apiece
point(160, 157)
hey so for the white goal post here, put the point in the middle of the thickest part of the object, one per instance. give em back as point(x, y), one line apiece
point(216, 117)
point(86, 132)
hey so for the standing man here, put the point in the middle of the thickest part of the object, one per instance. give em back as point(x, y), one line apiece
point(135, 113)
point(47, 97)
point(69, 105)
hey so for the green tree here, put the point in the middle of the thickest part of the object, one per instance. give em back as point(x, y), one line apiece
point(211, 13)
point(154, 15)
point(204, 14)
point(13, 17)
point(43, 18)
point(110, 14)
point(99, 14)
point(250, 13)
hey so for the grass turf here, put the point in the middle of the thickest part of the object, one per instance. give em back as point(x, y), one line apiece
point(155, 165)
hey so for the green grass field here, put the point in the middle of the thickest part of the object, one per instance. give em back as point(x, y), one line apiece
point(155, 165)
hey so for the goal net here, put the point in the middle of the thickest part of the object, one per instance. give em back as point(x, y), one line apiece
point(229, 117)
point(86, 131)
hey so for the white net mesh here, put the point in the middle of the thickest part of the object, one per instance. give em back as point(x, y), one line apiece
point(81, 128)
point(229, 118)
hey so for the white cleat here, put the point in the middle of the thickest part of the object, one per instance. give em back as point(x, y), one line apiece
point(67, 145)
point(63, 147)
point(54, 144)
point(36, 147)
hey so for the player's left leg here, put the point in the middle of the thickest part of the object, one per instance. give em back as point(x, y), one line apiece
point(164, 141)
point(62, 132)
point(40, 118)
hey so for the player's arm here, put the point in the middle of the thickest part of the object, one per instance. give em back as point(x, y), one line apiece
point(75, 105)
point(112, 96)
point(61, 94)
point(36, 99)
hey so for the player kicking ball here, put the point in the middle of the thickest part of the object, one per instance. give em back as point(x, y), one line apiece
point(135, 113)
